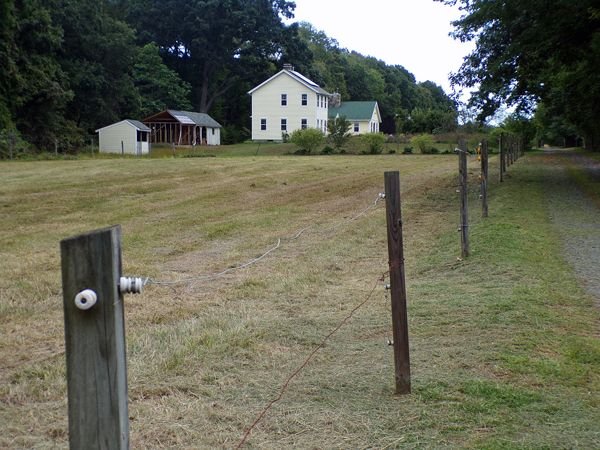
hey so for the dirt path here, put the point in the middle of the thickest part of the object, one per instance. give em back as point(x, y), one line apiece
point(576, 216)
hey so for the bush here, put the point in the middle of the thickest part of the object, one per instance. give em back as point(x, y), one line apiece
point(327, 150)
point(374, 142)
point(339, 131)
point(307, 139)
point(424, 143)
point(407, 151)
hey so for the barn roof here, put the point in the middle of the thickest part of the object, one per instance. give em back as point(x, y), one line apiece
point(184, 118)
point(189, 117)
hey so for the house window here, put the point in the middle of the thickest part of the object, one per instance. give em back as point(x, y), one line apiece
point(263, 124)
point(356, 127)
point(304, 124)
point(283, 124)
point(283, 99)
point(304, 99)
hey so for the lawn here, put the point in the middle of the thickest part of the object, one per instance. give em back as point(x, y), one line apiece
point(504, 345)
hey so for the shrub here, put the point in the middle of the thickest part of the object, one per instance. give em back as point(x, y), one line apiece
point(327, 150)
point(407, 151)
point(307, 139)
point(374, 142)
point(339, 131)
point(424, 143)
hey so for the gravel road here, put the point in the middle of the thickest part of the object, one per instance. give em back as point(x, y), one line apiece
point(575, 216)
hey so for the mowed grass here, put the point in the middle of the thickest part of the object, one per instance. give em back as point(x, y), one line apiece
point(504, 345)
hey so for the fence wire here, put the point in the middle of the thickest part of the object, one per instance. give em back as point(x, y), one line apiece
point(276, 246)
point(307, 360)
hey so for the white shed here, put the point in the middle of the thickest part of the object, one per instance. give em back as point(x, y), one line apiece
point(129, 137)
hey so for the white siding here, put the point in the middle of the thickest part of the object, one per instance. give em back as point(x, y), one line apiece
point(110, 138)
point(266, 104)
point(213, 136)
point(366, 126)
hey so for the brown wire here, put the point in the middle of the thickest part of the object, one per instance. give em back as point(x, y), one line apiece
point(306, 361)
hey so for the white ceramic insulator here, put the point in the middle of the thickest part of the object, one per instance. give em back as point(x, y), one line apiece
point(130, 285)
point(86, 299)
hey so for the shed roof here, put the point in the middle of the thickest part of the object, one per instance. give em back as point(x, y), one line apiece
point(139, 125)
point(135, 123)
point(295, 76)
point(196, 118)
point(187, 118)
point(354, 110)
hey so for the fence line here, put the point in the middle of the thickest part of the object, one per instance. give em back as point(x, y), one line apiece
point(213, 276)
point(288, 380)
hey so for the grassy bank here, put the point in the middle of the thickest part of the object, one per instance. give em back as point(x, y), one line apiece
point(504, 345)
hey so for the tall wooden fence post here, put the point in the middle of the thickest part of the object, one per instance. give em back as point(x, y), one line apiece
point(464, 210)
point(95, 340)
point(484, 177)
point(397, 282)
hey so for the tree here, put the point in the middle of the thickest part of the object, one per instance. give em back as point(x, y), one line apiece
point(307, 139)
point(531, 52)
point(159, 87)
point(33, 87)
point(213, 44)
point(339, 131)
point(97, 53)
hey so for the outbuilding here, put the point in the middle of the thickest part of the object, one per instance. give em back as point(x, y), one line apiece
point(128, 137)
point(183, 128)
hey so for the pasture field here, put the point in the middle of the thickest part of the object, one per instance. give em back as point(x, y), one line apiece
point(505, 346)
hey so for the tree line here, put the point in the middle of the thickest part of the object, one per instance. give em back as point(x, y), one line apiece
point(70, 67)
point(540, 57)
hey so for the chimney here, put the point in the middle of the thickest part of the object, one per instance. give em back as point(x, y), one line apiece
point(288, 66)
point(335, 100)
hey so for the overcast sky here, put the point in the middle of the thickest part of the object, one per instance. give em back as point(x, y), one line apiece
point(411, 33)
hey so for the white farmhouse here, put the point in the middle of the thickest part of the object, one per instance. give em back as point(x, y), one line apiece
point(128, 136)
point(286, 102)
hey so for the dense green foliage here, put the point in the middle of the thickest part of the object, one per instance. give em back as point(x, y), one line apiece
point(70, 67)
point(423, 143)
point(307, 139)
point(339, 131)
point(374, 142)
point(532, 54)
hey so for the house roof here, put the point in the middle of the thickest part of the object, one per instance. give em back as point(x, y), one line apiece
point(295, 76)
point(135, 123)
point(188, 118)
point(354, 110)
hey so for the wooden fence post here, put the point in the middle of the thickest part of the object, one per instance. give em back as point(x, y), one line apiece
point(484, 177)
point(95, 341)
point(397, 282)
point(464, 210)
